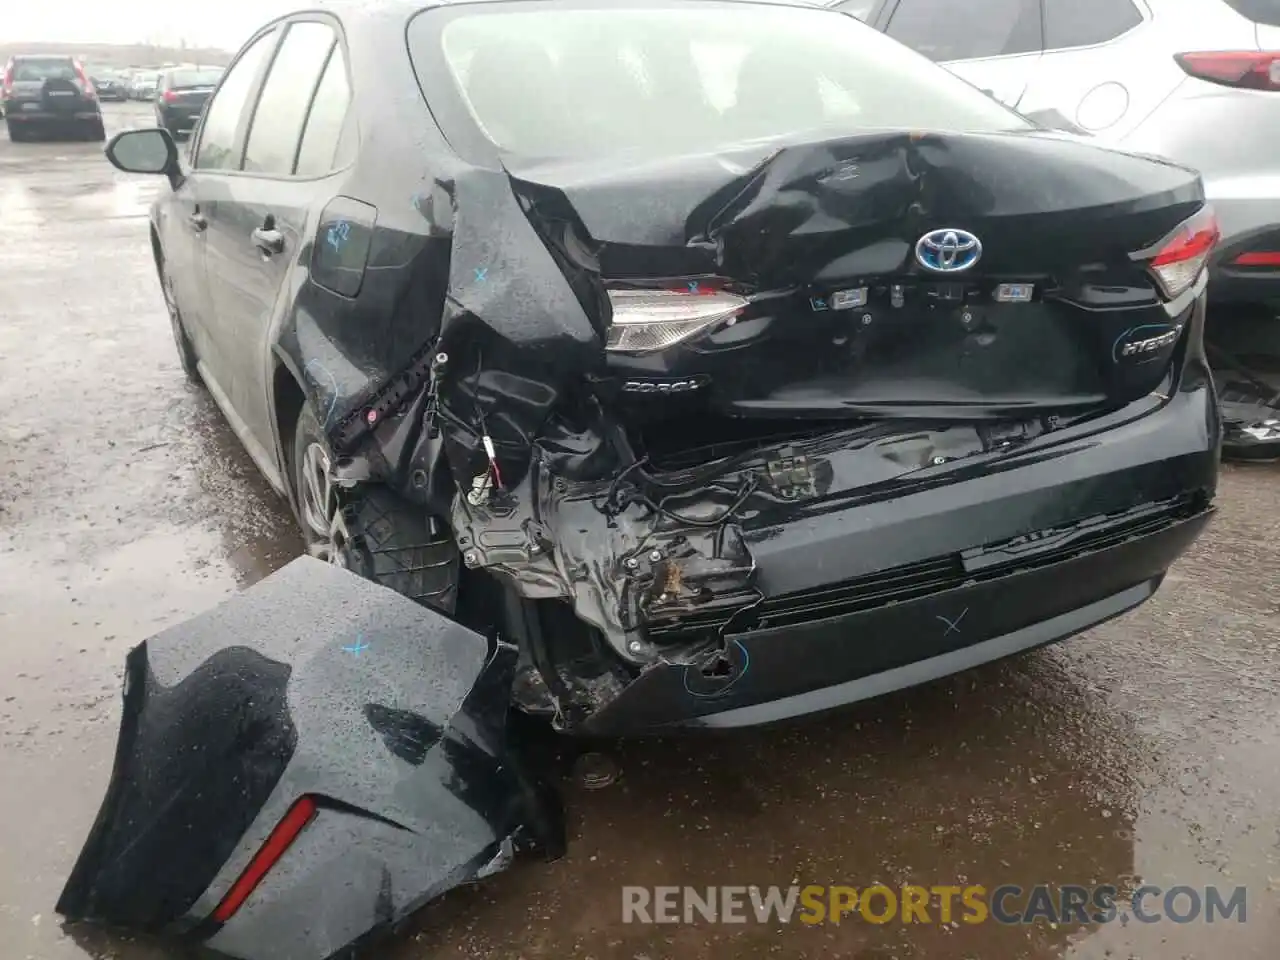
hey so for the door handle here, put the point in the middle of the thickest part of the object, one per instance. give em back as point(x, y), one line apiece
point(268, 240)
point(197, 221)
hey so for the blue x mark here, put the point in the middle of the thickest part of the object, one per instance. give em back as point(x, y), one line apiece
point(953, 626)
point(356, 647)
point(480, 272)
point(693, 286)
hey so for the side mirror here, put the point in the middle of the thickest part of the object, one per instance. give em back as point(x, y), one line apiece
point(146, 151)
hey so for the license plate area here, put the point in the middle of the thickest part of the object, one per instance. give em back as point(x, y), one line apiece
point(908, 292)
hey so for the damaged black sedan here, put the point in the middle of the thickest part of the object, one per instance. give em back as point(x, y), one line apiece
point(688, 362)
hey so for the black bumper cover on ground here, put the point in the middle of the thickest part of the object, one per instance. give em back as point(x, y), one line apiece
point(312, 684)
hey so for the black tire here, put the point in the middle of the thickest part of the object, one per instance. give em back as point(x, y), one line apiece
point(17, 133)
point(376, 533)
point(186, 351)
point(95, 131)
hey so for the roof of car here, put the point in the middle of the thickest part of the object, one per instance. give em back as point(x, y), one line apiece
point(379, 14)
point(347, 8)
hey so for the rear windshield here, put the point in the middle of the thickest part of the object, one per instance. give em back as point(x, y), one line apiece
point(53, 68)
point(194, 78)
point(578, 81)
point(1259, 11)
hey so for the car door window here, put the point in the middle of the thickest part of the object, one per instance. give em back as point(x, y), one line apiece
point(946, 30)
point(216, 149)
point(322, 135)
point(282, 107)
point(54, 68)
point(1082, 23)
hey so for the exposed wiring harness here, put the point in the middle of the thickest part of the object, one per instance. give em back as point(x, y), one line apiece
point(655, 492)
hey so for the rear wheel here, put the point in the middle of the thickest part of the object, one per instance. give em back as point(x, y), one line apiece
point(17, 132)
point(94, 130)
point(374, 533)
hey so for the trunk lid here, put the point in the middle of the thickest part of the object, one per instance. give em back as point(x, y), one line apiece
point(60, 95)
point(302, 767)
point(189, 96)
point(848, 314)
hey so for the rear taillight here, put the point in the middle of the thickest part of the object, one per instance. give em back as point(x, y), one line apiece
point(8, 78)
point(86, 85)
point(1176, 261)
point(169, 96)
point(649, 320)
point(1250, 69)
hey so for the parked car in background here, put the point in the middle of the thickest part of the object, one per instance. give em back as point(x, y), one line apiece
point(110, 86)
point(50, 95)
point(143, 85)
point(181, 94)
point(680, 365)
point(1197, 81)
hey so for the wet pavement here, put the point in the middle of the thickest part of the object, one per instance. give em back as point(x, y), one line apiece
point(1145, 751)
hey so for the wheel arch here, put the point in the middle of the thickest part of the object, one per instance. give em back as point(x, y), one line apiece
point(157, 251)
point(287, 400)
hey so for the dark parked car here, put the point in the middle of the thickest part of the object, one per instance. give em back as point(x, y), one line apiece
point(685, 370)
point(181, 95)
point(110, 86)
point(50, 94)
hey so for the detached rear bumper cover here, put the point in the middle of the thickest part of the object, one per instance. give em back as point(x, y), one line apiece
point(312, 684)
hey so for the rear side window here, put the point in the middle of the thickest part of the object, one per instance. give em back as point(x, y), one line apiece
point(1082, 23)
point(51, 68)
point(947, 30)
point(216, 150)
point(557, 81)
point(1259, 11)
point(318, 153)
point(286, 94)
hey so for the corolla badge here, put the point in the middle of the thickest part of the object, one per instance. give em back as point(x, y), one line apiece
point(1146, 339)
point(948, 250)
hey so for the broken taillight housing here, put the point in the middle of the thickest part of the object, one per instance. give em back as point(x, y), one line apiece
point(645, 321)
point(1176, 261)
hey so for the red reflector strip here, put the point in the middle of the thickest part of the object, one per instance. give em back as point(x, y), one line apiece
point(272, 850)
point(1258, 258)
